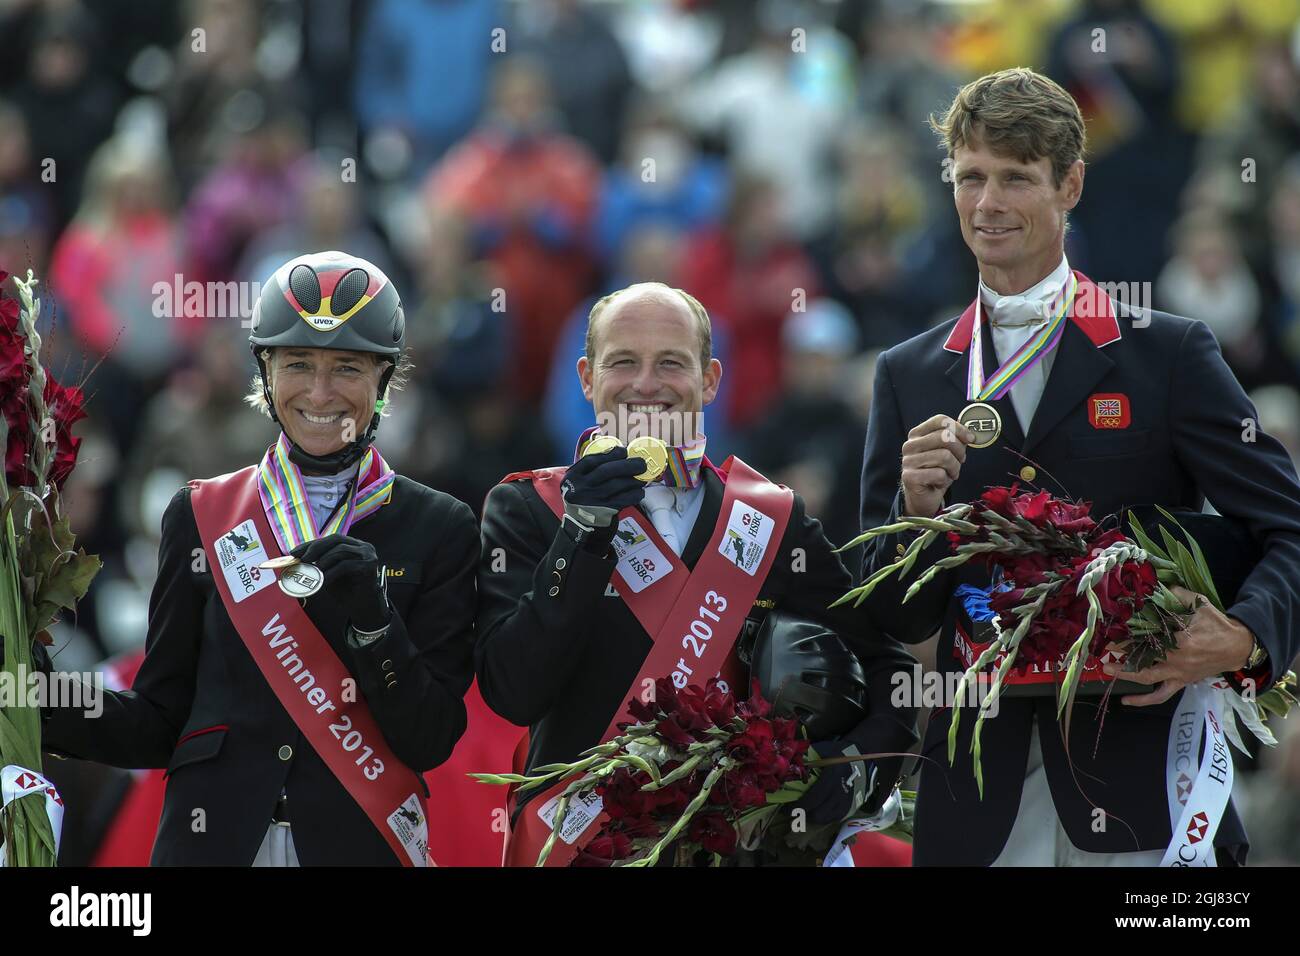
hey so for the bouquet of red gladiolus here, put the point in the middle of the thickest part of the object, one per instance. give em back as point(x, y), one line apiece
point(41, 571)
point(1065, 588)
point(697, 771)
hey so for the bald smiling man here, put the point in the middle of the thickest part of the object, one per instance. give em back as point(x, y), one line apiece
point(589, 576)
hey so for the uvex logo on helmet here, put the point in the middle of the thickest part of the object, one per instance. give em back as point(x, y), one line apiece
point(327, 297)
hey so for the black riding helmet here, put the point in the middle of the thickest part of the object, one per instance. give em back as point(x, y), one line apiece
point(807, 671)
point(329, 300)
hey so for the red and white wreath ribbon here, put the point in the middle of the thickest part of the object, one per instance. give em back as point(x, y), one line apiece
point(17, 782)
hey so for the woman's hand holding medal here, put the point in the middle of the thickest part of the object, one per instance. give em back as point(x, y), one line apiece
point(349, 567)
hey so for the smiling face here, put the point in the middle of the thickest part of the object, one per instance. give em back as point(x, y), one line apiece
point(1012, 214)
point(324, 398)
point(645, 361)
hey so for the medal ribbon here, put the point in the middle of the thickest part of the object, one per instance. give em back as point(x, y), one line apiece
point(279, 484)
point(1026, 357)
point(684, 461)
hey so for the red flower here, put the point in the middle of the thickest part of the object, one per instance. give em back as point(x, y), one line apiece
point(605, 849)
point(999, 499)
point(720, 704)
point(740, 790)
point(66, 404)
point(755, 743)
point(756, 706)
point(670, 732)
point(9, 310)
point(622, 794)
point(65, 459)
point(1070, 517)
point(1031, 507)
point(693, 713)
point(673, 799)
point(713, 833)
point(17, 471)
point(663, 700)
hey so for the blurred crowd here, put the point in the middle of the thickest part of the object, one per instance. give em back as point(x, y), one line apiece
point(508, 162)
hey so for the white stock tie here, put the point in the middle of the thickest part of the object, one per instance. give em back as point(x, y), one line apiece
point(660, 501)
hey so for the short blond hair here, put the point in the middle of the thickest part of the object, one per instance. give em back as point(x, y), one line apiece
point(704, 327)
point(256, 397)
point(1020, 113)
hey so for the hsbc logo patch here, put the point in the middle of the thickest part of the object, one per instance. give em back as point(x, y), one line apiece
point(1197, 829)
point(640, 563)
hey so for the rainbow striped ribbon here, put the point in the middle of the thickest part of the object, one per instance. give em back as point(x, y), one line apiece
point(1026, 357)
point(279, 484)
point(684, 461)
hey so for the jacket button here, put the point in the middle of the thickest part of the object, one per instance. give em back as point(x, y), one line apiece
point(553, 592)
point(286, 752)
point(387, 665)
point(561, 564)
point(1028, 473)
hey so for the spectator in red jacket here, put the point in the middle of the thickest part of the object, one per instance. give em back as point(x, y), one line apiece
point(528, 193)
point(750, 274)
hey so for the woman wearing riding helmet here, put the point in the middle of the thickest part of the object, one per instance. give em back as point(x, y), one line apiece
point(310, 629)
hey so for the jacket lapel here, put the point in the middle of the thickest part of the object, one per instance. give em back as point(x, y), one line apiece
point(1078, 366)
point(705, 520)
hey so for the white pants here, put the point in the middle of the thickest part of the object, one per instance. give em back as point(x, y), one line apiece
point(277, 847)
point(1038, 839)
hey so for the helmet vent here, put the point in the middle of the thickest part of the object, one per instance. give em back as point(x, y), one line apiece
point(305, 287)
point(349, 291)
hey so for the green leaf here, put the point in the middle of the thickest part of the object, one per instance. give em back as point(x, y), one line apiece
point(1143, 539)
point(68, 583)
point(15, 746)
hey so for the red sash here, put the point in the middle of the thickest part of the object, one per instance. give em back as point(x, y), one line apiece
point(693, 616)
point(306, 675)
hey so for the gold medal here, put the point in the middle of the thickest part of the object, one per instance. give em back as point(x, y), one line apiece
point(601, 444)
point(275, 564)
point(655, 453)
point(983, 421)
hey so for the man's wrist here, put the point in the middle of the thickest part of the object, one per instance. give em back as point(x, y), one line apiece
point(593, 540)
point(1247, 651)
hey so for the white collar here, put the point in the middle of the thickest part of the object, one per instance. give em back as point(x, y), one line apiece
point(1026, 307)
point(682, 497)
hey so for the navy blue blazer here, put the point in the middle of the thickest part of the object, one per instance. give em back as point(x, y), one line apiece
point(1189, 433)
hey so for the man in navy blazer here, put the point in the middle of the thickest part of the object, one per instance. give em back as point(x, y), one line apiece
point(1128, 407)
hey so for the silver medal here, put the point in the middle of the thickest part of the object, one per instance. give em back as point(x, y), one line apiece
point(301, 580)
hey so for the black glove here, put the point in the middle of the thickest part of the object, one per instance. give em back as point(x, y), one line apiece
point(841, 789)
point(598, 487)
point(351, 570)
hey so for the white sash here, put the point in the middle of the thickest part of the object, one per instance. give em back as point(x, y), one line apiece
point(1198, 789)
